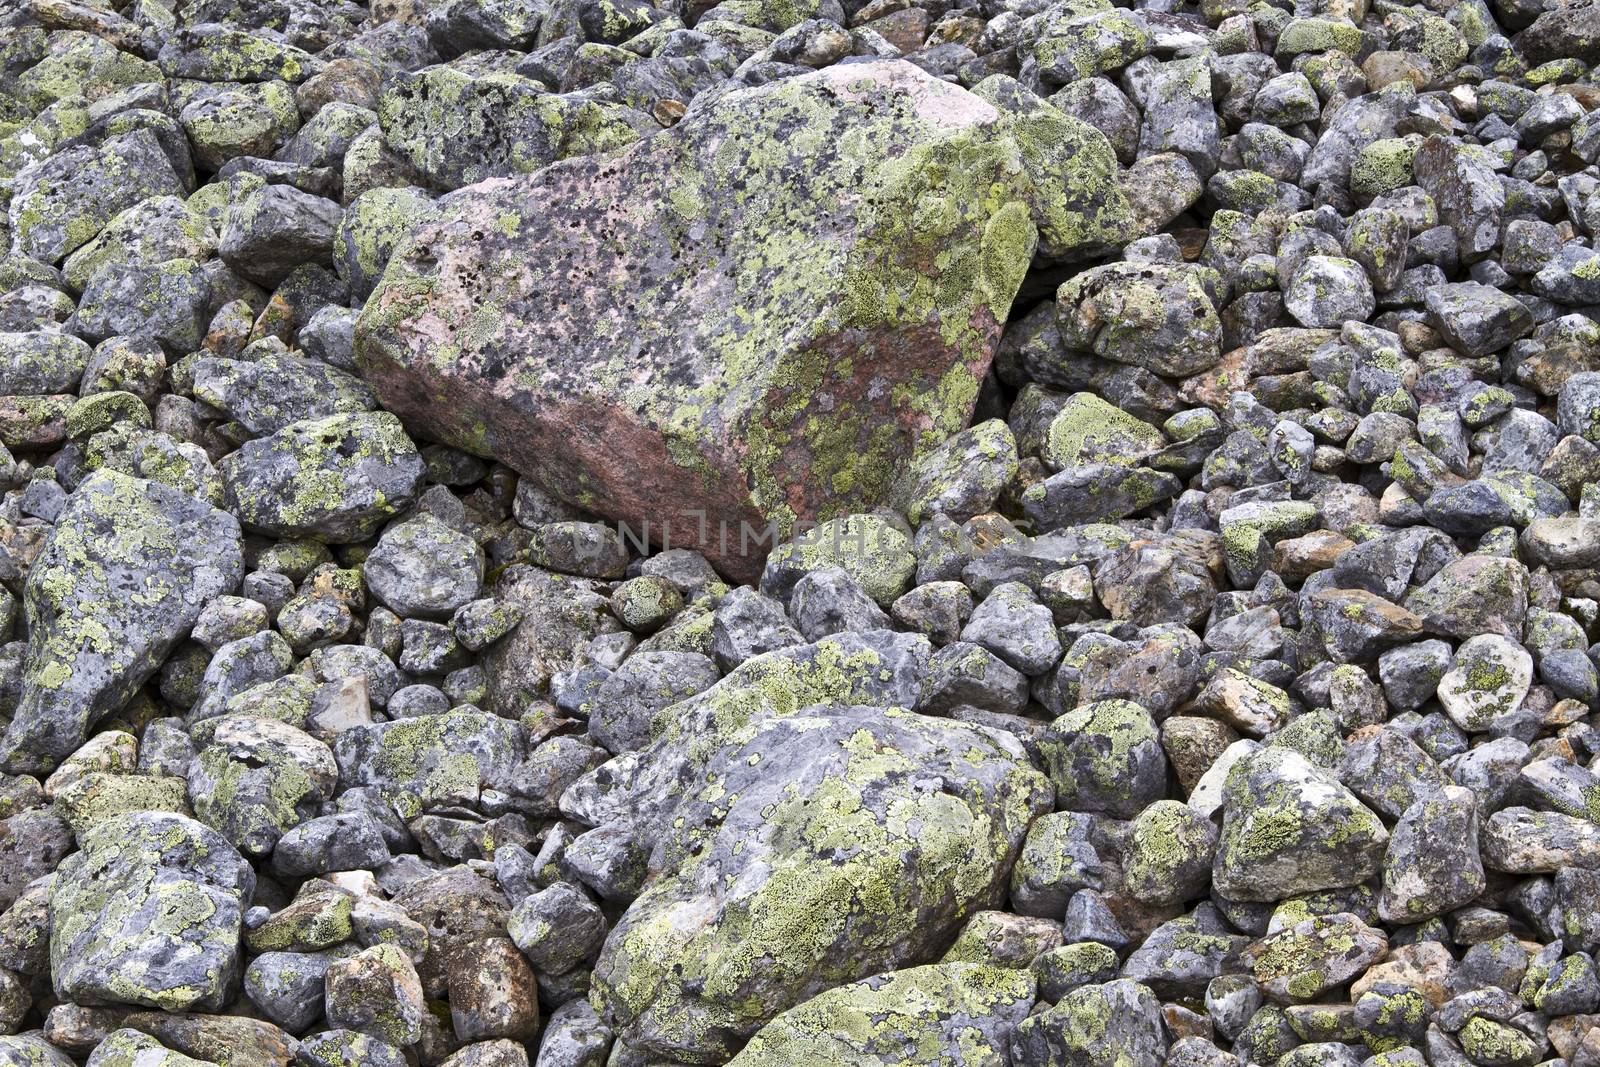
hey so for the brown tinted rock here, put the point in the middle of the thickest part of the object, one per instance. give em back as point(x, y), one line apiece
point(492, 992)
point(675, 335)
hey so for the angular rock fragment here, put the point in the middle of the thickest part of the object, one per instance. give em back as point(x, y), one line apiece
point(944, 1006)
point(1433, 865)
point(455, 129)
point(122, 578)
point(728, 433)
point(336, 478)
point(1289, 827)
point(1119, 1020)
point(149, 913)
point(690, 988)
point(63, 202)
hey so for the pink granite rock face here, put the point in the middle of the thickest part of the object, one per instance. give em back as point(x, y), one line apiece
point(754, 318)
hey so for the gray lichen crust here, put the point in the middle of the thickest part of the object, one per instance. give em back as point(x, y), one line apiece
point(148, 912)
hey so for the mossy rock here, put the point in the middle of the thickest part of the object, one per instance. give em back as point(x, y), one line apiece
point(873, 551)
point(942, 1015)
point(63, 202)
point(1087, 429)
point(809, 860)
point(149, 913)
point(455, 128)
point(776, 354)
point(338, 478)
point(119, 583)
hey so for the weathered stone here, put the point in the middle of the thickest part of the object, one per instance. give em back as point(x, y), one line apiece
point(1302, 961)
point(122, 578)
point(677, 977)
point(952, 1013)
point(1486, 683)
point(1289, 827)
point(1154, 316)
point(433, 760)
point(454, 128)
point(961, 478)
point(1100, 1025)
point(733, 430)
point(264, 395)
point(149, 913)
point(1106, 757)
point(424, 569)
point(869, 549)
point(1477, 319)
point(61, 203)
point(130, 1048)
point(1461, 179)
point(336, 478)
point(1433, 865)
point(376, 992)
point(226, 1040)
point(258, 778)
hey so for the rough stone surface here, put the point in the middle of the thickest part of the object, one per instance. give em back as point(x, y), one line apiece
point(148, 913)
point(623, 533)
point(124, 575)
point(736, 420)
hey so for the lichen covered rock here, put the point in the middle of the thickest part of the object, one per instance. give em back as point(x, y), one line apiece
point(1290, 827)
point(432, 760)
point(122, 578)
point(62, 203)
point(711, 331)
point(455, 128)
point(258, 778)
point(814, 860)
point(941, 1015)
point(336, 478)
point(149, 913)
point(1098, 1025)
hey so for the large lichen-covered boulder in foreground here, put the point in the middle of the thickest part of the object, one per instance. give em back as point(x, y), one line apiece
point(121, 580)
point(941, 1015)
point(760, 315)
point(149, 913)
point(813, 853)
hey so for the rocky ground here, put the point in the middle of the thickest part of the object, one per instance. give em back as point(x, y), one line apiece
point(418, 650)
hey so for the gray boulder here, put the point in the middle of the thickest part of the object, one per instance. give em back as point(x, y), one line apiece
point(149, 913)
point(337, 478)
point(121, 580)
point(821, 824)
point(943, 1006)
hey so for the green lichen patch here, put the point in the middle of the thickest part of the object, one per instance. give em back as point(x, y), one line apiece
point(942, 1015)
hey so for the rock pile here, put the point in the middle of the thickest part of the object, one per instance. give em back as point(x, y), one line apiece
point(782, 533)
